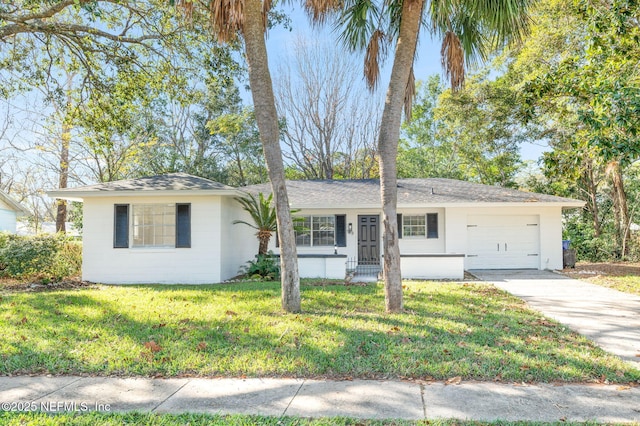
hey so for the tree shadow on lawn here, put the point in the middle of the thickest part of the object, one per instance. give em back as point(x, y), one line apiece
point(475, 332)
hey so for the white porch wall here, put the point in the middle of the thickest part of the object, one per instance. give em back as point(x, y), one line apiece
point(199, 264)
point(423, 245)
point(410, 245)
point(239, 243)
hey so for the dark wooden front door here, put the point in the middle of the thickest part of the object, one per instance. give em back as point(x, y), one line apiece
point(369, 240)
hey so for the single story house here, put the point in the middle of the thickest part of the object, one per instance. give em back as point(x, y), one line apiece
point(178, 228)
point(9, 212)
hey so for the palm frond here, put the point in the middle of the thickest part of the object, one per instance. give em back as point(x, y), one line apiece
point(409, 93)
point(226, 18)
point(266, 7)
point(320, 10)
point(261, 211)
point(375, 52)
point(472, 28)
point(357, 23)
point(452, 55)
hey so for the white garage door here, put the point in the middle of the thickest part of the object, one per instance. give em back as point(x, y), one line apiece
point(503, 242)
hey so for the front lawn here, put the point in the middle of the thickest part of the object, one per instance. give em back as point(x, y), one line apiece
point(152, 419)
point(473, 331)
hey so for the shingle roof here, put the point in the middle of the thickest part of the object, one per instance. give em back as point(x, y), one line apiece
point(12, 204)
point(168, 182)
point(431, 191)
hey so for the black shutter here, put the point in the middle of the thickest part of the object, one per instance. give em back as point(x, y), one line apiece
point(399, 216)
point(121, 226)
point(432, 225)
point(341, 230)
point(183, 225)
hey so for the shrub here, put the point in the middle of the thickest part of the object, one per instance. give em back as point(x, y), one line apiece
point(45, 257)
point(266, 267)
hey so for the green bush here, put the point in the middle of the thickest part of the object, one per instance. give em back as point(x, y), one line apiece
point(265, 267)
point(45, 257)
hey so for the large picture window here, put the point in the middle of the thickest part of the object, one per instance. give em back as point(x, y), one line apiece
point(152, 225)
point(317, 231)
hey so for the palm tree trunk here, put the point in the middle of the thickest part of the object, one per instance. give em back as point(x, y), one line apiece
point(388, 148)
point(267, 120)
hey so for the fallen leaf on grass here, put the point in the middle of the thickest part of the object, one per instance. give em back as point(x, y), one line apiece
point(624, 387)
point(461, 344)
point(453, 381)
point(231, 313)
point(202, 346)
point(159, 325)
point(23, 320)
point(153, 346)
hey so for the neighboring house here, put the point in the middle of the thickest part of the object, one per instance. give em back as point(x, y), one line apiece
point(179, 228)
point(9, 211)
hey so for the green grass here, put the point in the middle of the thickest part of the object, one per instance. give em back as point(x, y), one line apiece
point(473, 330)
point(627, 284)
point(117, 419)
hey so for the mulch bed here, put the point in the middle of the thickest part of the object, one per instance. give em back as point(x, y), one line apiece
point(12, 285)
point(613, 269)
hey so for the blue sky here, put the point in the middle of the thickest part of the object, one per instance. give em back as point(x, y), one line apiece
point(280, 47)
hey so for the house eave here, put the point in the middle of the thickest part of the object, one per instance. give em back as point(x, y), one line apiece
point(82, 195)
point(563, 205)
point(14, 205)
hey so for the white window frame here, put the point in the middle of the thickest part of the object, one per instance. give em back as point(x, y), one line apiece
point(162, 217)
point(311, 233)
point(424, 227)
point(409, 229)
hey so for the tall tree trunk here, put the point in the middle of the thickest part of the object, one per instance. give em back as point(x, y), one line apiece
point(592, 191)
point(388, 148)
point(267, 120)
point(65, 139)
point(620, 208)
point(61, 210)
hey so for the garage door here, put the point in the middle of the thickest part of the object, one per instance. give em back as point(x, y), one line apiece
point(503, 242)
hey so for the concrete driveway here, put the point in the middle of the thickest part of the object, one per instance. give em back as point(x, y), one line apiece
point(608, 317)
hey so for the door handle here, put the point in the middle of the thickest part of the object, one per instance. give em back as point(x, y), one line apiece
point(498, 246)
point(505, 246)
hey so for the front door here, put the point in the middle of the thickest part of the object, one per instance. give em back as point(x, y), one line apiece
point(369, 240)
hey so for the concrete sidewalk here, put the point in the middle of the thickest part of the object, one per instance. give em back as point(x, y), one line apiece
point(608, 317)
point(365, 399)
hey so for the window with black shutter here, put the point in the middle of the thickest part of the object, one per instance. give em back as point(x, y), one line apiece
point(341, 230)
point(399, 219)
point(432, 225)
point(121, 226)
point(183, 225)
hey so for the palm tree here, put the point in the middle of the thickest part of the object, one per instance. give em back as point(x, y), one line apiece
point(248, 18)
point(469, 29)
point(263, 216)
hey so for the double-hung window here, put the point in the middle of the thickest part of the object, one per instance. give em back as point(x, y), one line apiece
point(152, 225)
point(321, 231)
point(418, 226)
